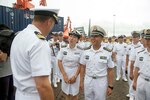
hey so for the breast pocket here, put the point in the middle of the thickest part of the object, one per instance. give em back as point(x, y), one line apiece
point(88, 59)
point(102, 61)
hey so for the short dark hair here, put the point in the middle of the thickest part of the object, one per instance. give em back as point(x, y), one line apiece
point(6, 38)
point(41, 18)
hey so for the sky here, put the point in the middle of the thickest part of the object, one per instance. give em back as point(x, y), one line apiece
point(130, 15)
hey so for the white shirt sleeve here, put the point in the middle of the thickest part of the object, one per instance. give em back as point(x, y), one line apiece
point(136, 64)
point(40, 59)
point(128, 49)
point(60, 54)
point(110, 63)
point(133, 54)
point(114, 49)
point(82, 59)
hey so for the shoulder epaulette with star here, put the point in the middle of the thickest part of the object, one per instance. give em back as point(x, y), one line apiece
point(141, 51)
point(39, 35)
point(107, 49)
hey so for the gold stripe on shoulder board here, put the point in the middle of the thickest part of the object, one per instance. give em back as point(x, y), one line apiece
point(40, 36)
point(107, 49)
point(141, 51)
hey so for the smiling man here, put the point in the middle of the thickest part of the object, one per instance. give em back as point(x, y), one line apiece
point(97, 67)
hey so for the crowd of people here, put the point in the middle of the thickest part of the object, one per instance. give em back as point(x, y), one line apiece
point(78, 62)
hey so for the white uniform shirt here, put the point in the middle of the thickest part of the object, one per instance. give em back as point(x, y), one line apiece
point(114, 43)
point(81, 45)
point(104, 44)
point(62, 44)
point(70, 61)
point(96, 62)
point(121, 50)
point(143, 63)
point(110, 46)
point(87, 44)
point(70, 57)
point(134, 51)
point(30, 57)
point(129, 46)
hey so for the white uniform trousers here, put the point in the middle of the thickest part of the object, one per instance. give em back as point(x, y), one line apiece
point(26, 96)
point(55, 70)
point(95, 89)
point(121, 65)
point(130, 82)
point(143, 89)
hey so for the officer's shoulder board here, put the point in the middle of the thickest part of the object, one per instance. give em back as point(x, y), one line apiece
point(87, 48)
point(80, 48)
point(129, 43)
point(141, 51)
point(107, 49)
point(39, 35)
point(137, 46)
point(63, 46)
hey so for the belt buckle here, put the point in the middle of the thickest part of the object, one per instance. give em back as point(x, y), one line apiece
point(146, 79)
point(94, 77)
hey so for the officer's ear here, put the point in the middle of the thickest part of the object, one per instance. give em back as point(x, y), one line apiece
point(51, 21)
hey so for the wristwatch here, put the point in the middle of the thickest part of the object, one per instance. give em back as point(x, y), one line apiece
point(111, 87)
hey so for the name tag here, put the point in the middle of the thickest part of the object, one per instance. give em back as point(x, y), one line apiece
point(141, 59)
point(87, 57)
point(103, 57)
point(77, 53)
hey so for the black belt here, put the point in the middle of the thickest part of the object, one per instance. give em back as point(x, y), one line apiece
point(146, 79)
point(95, 77)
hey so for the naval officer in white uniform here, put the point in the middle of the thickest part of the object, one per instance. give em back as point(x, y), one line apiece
point(96, 68)
point(30, 57)
point(141, 81)
point(119, 55)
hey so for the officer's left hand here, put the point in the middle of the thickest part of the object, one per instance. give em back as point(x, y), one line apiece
point(72, 80)
point(109, 91)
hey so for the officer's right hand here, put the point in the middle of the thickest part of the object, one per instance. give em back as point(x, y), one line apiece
point(109, 91)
